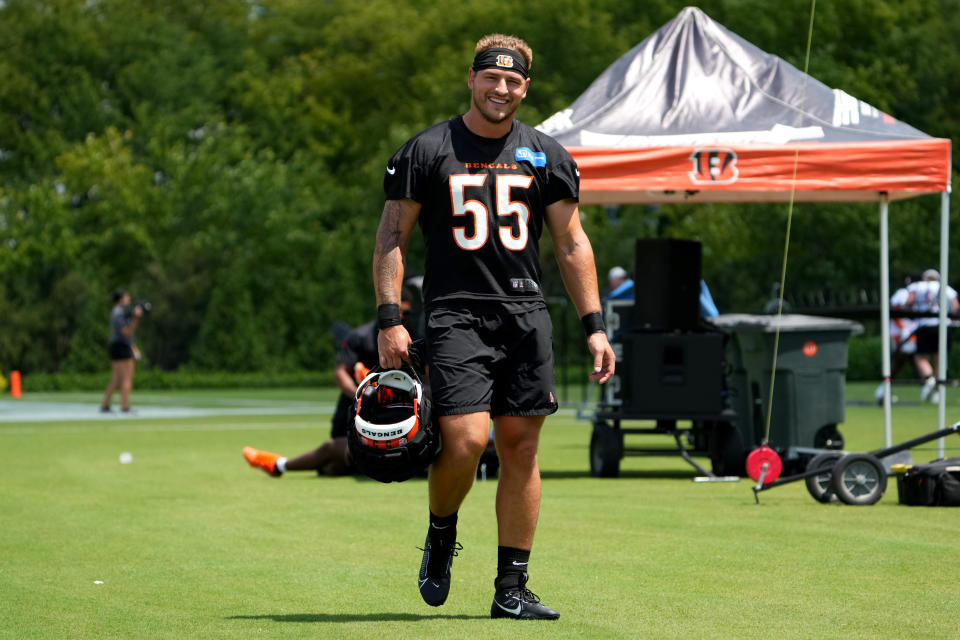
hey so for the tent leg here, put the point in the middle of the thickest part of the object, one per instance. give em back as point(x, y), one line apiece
point(944, 279)
point(885, 316)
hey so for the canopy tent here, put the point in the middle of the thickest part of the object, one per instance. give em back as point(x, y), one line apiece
point(695, 113)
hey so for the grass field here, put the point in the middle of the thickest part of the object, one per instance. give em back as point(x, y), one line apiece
point(190, 542)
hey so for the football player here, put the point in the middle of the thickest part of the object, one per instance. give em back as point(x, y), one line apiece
point(482, 186)
point(356, 356)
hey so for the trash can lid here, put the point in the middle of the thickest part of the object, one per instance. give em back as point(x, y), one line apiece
point(786, 322)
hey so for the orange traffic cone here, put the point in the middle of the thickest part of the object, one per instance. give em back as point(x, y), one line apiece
point(15, 384)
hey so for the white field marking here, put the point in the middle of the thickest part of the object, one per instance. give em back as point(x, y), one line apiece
point(152, 427)
point(175, 402)
point(46, 415)
point(26, 411)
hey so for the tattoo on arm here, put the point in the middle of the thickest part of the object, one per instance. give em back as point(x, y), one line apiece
point(388, 234)
point(388, 256)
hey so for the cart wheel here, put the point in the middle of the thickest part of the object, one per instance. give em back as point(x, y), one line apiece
point(859, 479)
point(606, 449)
point(727, 454)
point(819, 485)
point(828, 437)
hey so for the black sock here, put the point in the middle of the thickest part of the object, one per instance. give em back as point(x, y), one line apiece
point(511, 567)
point(442, 535)
point(443, 529)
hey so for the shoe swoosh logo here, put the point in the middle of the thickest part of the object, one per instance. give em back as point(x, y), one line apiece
point(391, 170)
point(515, 611)
point(519, 564)
point(437, 526)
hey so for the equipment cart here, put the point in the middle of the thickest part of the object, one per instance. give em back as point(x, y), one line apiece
point(681, 380)
point(717, 378)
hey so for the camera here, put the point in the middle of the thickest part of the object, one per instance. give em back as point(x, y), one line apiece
point(143, 304)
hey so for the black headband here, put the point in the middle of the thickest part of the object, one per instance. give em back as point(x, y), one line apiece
point(501, 58)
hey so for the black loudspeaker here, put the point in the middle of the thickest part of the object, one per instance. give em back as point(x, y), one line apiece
point(667, 284)
point(672, 374)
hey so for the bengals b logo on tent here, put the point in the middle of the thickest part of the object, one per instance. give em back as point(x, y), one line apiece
point(714, 166)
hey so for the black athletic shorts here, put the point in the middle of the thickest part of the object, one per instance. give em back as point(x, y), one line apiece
point(928, 339)
point(341, 417)
point(491, 356)
point(120, 351)
point(339, 424)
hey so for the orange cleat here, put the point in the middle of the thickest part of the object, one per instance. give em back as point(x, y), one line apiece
point(263, 459)
point(360, 372)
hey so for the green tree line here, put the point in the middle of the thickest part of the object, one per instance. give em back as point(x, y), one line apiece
point(223, 159)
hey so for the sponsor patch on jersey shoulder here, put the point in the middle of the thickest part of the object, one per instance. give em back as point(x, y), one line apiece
point(523, 285)
point(536, 158)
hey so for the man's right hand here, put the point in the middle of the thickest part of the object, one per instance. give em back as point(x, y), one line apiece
point(392, 345)
point(604, 359)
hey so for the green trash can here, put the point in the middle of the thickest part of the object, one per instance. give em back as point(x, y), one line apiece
point(808, 388)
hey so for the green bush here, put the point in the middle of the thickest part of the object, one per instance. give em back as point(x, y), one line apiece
point(863, 358)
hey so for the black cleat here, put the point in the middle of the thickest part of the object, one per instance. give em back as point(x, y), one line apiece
point(434, 577)
point(520, 603)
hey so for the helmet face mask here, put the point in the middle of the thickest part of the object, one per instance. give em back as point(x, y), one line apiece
point(391, 437)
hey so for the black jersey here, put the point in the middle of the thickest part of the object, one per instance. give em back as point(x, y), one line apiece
point(483, 202)
point(360, 345)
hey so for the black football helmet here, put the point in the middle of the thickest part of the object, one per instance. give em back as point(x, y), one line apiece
point(391, 436)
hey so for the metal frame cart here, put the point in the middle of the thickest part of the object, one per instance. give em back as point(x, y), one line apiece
point(854, 478)
point(718, 378)
point(682, 380)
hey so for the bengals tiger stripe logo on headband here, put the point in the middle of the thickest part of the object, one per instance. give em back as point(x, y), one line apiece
point(501, 58)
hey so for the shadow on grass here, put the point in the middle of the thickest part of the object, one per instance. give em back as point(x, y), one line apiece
point(681, 474)
point(354, 617)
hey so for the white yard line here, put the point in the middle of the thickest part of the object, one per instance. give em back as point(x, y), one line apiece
point(26, 411)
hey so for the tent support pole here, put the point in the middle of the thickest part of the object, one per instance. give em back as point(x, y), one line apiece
point(944, 280)
point(885, 316)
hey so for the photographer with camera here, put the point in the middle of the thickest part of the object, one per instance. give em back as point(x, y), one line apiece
point(123, 352)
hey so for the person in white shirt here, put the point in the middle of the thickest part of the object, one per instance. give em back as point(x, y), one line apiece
point(903, 338)
point(924, 296)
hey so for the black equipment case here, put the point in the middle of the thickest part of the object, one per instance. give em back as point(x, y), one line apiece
point(935, 484)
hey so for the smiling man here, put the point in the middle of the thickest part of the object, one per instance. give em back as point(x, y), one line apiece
point(482, 186)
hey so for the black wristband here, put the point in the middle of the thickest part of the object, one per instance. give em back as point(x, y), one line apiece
point(593, 323)
point(388, 315)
